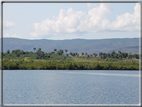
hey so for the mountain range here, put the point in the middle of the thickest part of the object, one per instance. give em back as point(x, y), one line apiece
point(74, 45)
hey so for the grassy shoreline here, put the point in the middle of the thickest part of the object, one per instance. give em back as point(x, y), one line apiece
point(69, 65)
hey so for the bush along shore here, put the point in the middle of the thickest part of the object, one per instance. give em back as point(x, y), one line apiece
point(68, 65)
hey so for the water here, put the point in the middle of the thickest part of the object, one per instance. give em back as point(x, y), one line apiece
point(70, 87)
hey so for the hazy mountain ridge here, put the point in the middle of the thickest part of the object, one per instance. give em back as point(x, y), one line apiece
point(74, 45)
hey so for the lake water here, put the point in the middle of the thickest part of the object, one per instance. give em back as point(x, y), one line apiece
point(70, 87)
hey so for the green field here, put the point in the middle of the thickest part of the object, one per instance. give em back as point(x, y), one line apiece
point(70, 65)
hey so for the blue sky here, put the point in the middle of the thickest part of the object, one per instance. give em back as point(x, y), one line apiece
point(60, 21)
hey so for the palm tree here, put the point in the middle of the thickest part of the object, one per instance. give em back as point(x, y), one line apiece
point(66, 51)
point(75, 53)
point(60, 52)
point(34, 49)
point(112, 54)
point(100, 54)
point(85, 54)
point(94, 54)
point(71, 53)
point(55, 50)
point(8, 52)
point(82, 53)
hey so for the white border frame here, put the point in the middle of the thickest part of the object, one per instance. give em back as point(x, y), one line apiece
point(82, 105)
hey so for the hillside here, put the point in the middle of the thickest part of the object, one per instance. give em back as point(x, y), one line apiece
point(74, 45)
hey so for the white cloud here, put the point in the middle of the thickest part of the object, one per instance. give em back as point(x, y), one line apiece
point(70, 21)
point(8, 24)
point(127, 21)
point(90, 5)
point(14, 35)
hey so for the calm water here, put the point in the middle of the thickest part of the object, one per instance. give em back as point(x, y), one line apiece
point(70, 87)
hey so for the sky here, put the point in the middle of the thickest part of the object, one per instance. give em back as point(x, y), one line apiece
point(59, 21)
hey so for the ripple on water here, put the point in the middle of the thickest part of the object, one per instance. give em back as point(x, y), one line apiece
point(71, 87)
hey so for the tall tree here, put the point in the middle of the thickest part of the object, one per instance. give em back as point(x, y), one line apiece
point(55, 50)
point(82, 53)
point(71, 53)
point(100, 54)
point(108, 55)
point(76, 53)
point(34, 48)
point(60, 52)
point(113, 54)
point(66, 50)
point(8, 52)
point(94, 54)
point(39, 53)
point(85, 54)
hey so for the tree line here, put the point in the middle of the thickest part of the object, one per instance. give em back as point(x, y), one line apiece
point(64, 54)
point(63, 60)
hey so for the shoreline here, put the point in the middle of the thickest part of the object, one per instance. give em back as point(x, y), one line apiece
point(69, 65)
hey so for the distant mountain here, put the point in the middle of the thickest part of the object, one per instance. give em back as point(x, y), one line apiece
point(74, 45)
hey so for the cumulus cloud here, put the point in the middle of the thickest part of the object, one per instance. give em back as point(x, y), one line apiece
point(127, 21)
point(70, 21)
point(14, 35)
point(7, 24)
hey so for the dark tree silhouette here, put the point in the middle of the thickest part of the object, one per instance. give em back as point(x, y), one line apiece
point(55, 50)
point(34, 49)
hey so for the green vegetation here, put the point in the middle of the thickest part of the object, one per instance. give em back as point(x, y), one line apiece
point(70, 65)
point(39, 54)
point(64, 60)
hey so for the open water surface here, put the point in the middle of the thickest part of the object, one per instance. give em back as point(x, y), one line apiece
point(70, 87)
